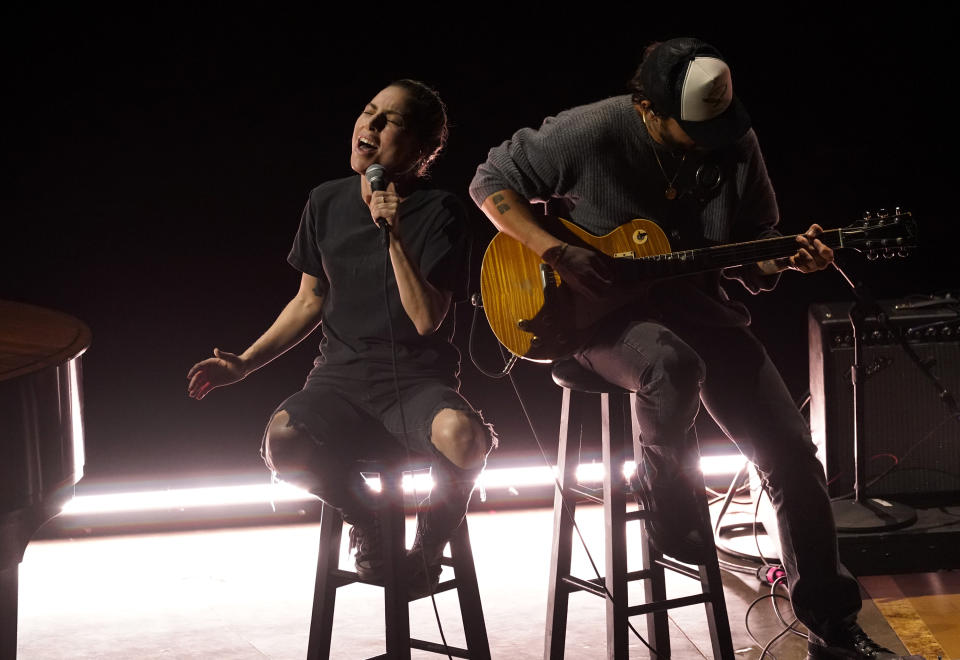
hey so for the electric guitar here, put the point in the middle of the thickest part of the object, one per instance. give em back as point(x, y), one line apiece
point(539, 318)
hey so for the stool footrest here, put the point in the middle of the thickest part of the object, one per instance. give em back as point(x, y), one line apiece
point(594, 586)
point(670, 603)
point(587, 492)
point(447, 585)
point(677, 567)
point(342, 578)
point(433, 647)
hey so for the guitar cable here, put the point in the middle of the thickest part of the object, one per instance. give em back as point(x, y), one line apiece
point(570, 514)
point(477, 301)
point(507, 371)
point(768, 572)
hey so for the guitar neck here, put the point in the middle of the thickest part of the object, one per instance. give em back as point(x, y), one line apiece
point(689, 262)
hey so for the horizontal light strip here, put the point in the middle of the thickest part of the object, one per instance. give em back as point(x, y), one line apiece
point(492, 479)
point(185, 498)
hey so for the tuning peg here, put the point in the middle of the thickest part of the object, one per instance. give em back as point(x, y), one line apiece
point(882, 213)
point(903, 252)
point(872, 255)
point(889, 253)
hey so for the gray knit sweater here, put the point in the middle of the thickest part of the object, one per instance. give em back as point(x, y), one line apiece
point(599, 159)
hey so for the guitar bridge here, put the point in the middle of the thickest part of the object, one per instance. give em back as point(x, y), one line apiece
point(547, 278)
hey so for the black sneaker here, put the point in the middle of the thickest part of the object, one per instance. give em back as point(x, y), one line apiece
point(852, 644)
point(367, 550)
point(675, 523)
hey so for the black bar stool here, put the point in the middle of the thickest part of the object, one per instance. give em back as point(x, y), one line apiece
point(395, 600)
point(620, 438)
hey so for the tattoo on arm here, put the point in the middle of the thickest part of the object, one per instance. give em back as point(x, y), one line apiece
point(502, 206)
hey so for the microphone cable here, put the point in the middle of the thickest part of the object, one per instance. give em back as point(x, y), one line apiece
point(403, 424)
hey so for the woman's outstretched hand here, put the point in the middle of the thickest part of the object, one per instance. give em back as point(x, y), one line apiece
point(222, 369)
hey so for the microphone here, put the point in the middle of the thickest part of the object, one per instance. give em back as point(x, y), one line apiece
point(377, 177)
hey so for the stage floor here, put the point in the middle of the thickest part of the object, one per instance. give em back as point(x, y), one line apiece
point(242, 593)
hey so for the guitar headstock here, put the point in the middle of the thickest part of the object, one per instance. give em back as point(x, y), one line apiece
point(882, 234)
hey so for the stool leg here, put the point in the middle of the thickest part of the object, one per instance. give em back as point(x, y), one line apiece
point(9, 600)
point(614, 510)
point(325, 590)
point(468, 593)
point(654, 588)
point(564, 508)
point(393, 534)
point(716, 606)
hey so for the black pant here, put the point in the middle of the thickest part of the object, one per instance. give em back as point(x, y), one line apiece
point(674, 369)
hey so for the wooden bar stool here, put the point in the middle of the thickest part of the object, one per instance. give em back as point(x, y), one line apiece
point(395, 600)
point(619, 438)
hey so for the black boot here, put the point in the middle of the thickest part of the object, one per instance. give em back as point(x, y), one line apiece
point(348, 492)
point(437, 520)
point(850, 644)
point(424, 566)
point(367, 548)
point(667, 488)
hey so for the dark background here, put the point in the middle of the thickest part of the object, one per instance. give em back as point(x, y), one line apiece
point(155, 163)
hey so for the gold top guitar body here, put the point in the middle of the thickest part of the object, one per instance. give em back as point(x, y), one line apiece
point(538, 318)
point(516, 284)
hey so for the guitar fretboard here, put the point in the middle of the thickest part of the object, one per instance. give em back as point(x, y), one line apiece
point(687, 262)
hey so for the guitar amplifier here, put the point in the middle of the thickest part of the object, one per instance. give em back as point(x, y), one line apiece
point(906, 425)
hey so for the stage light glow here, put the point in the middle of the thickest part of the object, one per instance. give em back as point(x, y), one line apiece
point(76, 417)
point(185, 498)
point(713, 466)
point(508, 479)
point(419, 482)
point(539, 475)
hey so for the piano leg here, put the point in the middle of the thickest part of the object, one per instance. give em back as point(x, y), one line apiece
point(8, 612)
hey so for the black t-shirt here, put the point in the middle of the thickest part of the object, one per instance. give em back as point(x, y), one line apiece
point(338, 243)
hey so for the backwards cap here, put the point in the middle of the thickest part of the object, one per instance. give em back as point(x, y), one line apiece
point(688, 80)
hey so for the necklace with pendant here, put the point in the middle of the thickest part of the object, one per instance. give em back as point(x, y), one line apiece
point(670, 192)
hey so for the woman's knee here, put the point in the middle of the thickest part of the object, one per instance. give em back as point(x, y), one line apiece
point(287, 446)
point(461, 437)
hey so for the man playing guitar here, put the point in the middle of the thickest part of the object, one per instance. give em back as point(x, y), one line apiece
point(680, 151)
